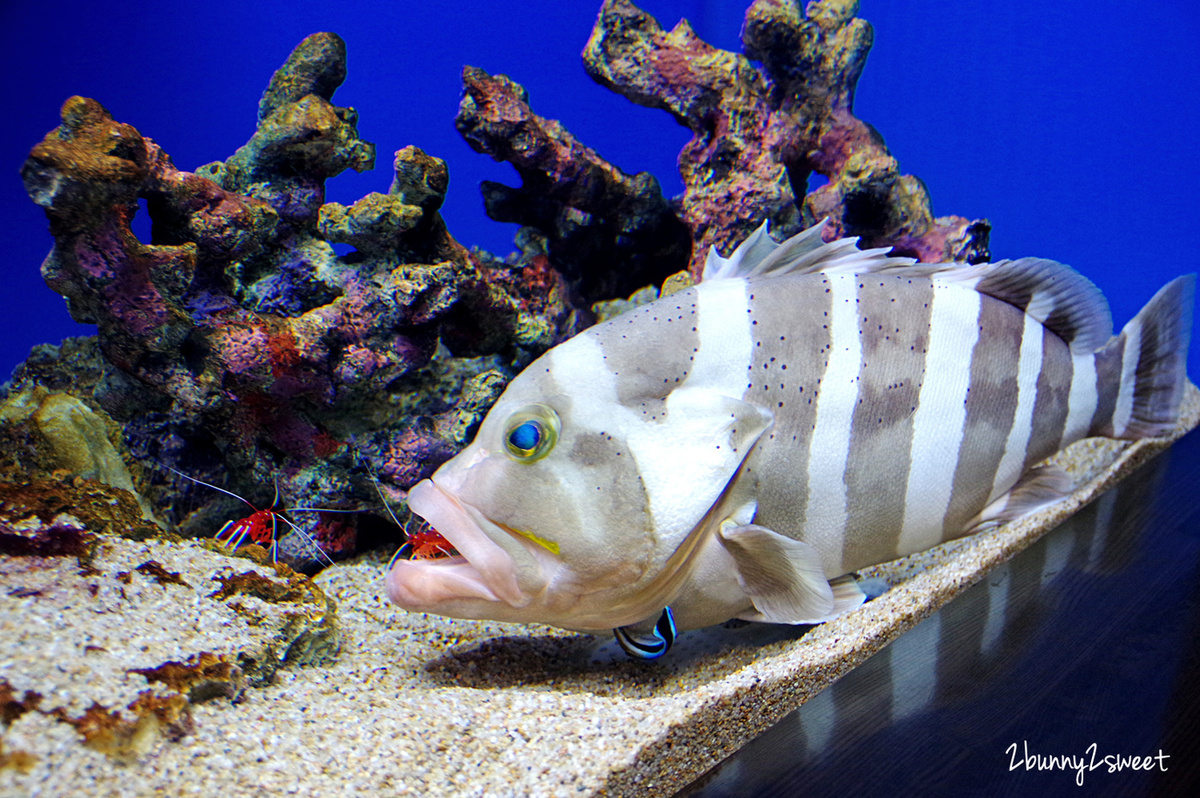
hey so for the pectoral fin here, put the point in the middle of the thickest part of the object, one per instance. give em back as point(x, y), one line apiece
point(784, 578)
point(648, 640)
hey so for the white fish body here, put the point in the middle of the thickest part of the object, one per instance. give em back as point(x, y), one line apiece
point(740, 448)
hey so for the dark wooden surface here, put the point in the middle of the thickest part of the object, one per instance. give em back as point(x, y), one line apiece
point(1089, 637)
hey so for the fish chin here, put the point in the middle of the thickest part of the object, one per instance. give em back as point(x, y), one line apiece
point(484, 571)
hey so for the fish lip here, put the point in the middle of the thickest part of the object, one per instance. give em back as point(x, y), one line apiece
point(483, 570)
point(416, 584)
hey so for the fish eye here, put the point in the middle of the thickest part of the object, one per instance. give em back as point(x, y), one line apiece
point(531, 433)
point(526, 437)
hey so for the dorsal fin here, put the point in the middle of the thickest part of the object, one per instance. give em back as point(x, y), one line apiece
point(1057, 296)
point(803, 253)
point(757, 246)
point(1063, 300)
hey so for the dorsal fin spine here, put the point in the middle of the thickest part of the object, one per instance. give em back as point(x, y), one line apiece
point(803, 253)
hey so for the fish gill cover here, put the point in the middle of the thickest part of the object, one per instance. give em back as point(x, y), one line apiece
point(237, 346)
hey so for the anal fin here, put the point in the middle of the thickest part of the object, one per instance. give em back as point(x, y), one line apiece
point(784, 578)
point(847, 595)
point(1038, 488)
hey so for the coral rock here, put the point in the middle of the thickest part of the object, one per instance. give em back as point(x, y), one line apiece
point(238, 347)
point(609, 232)
point(317, 66)
point(45, 516)
point(377, 221)
point(760, 133)
point(302, 138)
point(421, 179)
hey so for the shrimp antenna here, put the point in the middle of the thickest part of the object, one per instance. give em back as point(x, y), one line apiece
point(320, 510)
point(387, 506)
point(307, 537)
point(274, 503)
point(400, 554)
point(214, 487)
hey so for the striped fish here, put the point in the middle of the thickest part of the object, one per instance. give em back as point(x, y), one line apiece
point(739, 448)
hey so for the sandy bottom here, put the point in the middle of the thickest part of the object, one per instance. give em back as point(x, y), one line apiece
point(422, 705)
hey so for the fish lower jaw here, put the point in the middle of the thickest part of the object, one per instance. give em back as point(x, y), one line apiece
point(482, 570)
point(425, 585)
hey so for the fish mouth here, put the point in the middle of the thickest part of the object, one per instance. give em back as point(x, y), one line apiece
point(480, 570)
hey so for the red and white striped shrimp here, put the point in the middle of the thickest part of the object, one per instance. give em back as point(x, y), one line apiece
point(426, 543)
point(261, 526)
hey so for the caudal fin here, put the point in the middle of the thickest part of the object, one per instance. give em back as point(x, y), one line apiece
point(1150, 356)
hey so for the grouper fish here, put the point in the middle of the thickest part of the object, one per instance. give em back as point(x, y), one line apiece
point(740, 448)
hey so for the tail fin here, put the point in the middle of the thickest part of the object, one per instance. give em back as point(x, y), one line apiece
point(1152, 353)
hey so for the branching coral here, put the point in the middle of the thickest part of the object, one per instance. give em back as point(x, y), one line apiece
point(759, 133)
point(609, 232)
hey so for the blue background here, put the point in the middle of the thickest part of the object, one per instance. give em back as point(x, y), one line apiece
point(1071, 125)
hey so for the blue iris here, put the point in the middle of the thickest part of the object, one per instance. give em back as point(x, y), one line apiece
point(526, 436)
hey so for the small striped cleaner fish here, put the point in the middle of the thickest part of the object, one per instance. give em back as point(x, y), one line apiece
point(739, 448)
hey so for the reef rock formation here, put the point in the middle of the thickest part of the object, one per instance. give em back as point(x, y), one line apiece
point(608, 232)
point(238, 347)
point(760, 131)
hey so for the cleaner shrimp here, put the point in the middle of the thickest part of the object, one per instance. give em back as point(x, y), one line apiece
point(261, 526)
point(426, 543)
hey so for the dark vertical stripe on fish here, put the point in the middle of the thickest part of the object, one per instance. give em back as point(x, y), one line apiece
point(894, 329)
point(1053, 392)
point(1109, 363)
point(786, 369)
point(991, 405)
